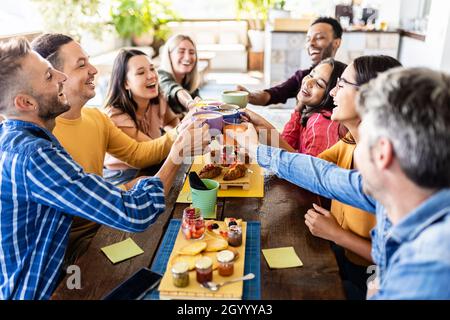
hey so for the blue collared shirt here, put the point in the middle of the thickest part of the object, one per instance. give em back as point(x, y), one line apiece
point(41, 189)
point(413, 256)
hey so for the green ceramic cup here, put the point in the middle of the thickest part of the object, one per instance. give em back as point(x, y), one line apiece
point(206, 200)
point(239, 98)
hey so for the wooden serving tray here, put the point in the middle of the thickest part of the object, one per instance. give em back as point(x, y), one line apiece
point(243, 182)
point(194, 291)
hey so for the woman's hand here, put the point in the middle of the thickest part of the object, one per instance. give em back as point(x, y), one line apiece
point(192, 104)
point(322, 224)
point(258, 121)
point(247, 139)
point(192, 140)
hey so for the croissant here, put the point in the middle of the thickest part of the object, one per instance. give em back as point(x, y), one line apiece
point(236, 171)
point(210, 171)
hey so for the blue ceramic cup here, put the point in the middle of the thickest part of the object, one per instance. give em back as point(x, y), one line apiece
point(231, 113)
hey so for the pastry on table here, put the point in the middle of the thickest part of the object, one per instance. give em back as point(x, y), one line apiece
point(193, 248)
point(216, 244)
point(236, 171)
point(189, 259)
point(210, 171)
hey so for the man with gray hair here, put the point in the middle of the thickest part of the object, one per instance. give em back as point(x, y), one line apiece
point(43, 188)
point(403, 162)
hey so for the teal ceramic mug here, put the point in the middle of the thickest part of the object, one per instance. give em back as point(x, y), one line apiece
point(236, 97)
point(206, 200)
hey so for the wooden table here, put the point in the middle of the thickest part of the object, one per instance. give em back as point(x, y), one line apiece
point(281, 213)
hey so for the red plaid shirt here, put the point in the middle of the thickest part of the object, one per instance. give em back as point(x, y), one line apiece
point(319, 134)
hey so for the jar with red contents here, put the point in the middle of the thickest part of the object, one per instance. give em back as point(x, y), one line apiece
point(203, 269)
point(192, 224)
point(226, 263)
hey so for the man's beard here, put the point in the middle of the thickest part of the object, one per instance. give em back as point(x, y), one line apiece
point(326, 53)
point(51, 107)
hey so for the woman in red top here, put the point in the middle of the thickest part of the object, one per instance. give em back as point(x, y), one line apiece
point(310, 129)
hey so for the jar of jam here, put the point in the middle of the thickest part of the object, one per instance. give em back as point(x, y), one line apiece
point(226, 263)
point(192, 224)
point(180, 274)
point(203, 268)
point(234, 236)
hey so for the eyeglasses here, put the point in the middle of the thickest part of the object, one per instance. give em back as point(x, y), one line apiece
point(340, 83)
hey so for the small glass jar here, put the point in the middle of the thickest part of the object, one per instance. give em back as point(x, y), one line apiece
point(192, 224)
point(180, 274)
point(203, 268)
point(226, 263)
point(234, 236)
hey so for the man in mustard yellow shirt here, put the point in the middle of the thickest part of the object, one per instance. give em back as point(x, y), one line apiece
point(88, 134)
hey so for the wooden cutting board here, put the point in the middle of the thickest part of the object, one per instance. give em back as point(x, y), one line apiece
point(243, 182)
point(256, 184)
point(194, 291)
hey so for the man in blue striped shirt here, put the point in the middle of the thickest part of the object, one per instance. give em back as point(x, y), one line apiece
point(42, 188)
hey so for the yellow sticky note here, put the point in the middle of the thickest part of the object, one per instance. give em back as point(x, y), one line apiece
point(279, 258)
point(123, 250)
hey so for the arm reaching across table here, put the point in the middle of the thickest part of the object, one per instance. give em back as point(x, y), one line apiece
point(313, 174)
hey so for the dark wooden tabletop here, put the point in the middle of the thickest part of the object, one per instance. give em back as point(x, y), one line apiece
point(281, 213)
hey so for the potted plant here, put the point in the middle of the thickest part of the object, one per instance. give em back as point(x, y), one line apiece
point(72, 17)
point(256, 13)
point(145, 21)
point(278, 10)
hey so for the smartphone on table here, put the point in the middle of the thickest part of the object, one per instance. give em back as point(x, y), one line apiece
point(135, 287)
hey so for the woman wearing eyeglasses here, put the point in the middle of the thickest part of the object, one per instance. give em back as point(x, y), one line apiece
point(348, 227)
point(310, 129)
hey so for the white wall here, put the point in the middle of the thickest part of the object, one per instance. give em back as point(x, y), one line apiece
point(19, 16)
point(434, 52)
point(438, 35)
point(389, 11)
point(413, 52)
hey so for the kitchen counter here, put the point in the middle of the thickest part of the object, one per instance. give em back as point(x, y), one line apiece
point(285, 50)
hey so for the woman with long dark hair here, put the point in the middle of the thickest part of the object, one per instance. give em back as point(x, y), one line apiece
point(310, 129)
point(347, 227)
point(136, 105)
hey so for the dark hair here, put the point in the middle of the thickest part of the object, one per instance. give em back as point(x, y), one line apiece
point(366, 69)
point(117, 96)
point(337, 29)
point(48, 45)
point(327, 102)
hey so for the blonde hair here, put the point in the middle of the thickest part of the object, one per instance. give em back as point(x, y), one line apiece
point(192, 80)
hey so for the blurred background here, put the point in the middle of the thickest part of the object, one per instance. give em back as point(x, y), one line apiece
point(256, 43)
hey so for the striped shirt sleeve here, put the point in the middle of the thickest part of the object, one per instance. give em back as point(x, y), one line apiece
point(55, 180)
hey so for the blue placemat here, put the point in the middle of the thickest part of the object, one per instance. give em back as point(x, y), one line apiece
point(252, 288)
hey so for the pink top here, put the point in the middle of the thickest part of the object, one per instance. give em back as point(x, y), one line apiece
point(319, 134)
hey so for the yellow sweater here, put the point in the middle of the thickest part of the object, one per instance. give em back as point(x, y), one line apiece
point(88, 138)
point(350, 218)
